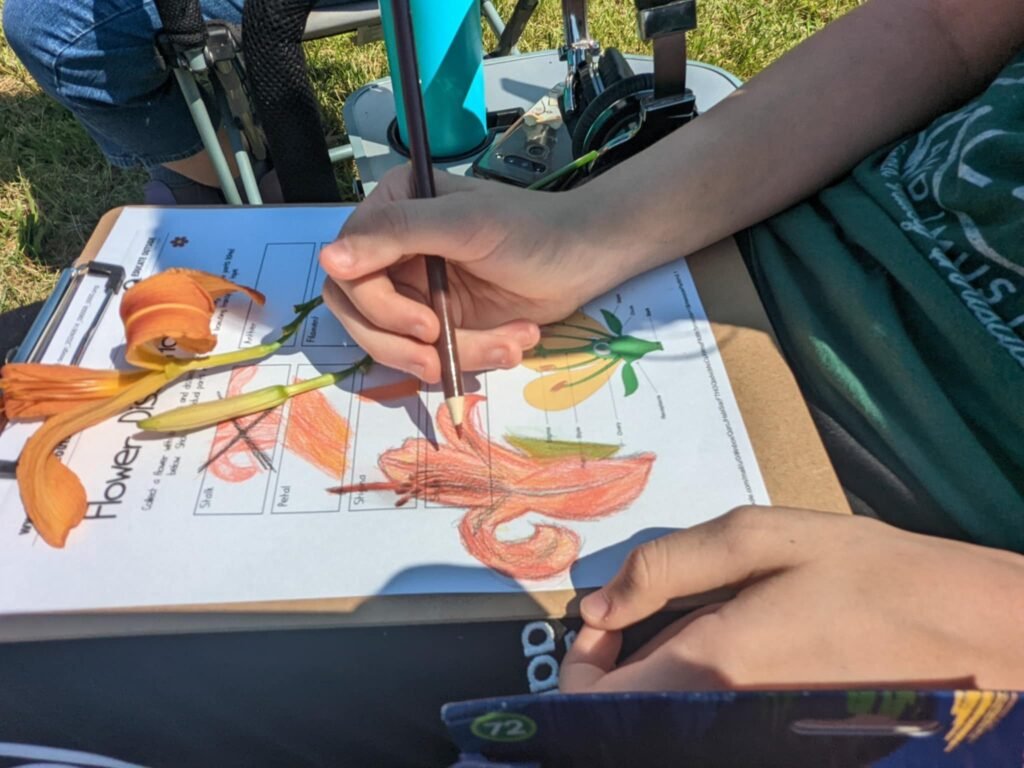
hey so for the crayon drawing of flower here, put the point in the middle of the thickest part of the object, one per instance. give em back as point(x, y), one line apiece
point(577, 356)
point(497, 485)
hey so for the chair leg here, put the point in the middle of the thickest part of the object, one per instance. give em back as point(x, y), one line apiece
point(493, 18)
point(208, 134)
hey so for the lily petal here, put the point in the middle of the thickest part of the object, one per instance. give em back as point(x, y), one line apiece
point(176, 304)
point(34, 390)
point(53, 496)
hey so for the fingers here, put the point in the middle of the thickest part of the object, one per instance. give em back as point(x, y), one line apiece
point(500, 347)
point(389, 227)
point(591, 657)
point(393, 350)
point(381, 305)
point(589, 666)
point(734, 549)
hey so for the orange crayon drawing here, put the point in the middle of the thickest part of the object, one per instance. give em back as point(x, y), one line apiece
point(318, 433)
point(315, 432)
point(497, 485)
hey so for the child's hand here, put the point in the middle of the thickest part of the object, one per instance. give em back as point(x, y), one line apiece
point(515, 259)
point(822, 600)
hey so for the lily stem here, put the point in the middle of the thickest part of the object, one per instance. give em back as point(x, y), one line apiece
point(327, 379)
point(302, 311)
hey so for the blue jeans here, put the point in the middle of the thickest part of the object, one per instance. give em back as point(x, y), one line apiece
point(97, 58)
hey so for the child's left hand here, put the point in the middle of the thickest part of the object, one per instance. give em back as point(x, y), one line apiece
point(822, 601)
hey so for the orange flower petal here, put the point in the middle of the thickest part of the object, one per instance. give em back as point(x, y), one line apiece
point(177, 305)
point(33, 390)
point(51, 493)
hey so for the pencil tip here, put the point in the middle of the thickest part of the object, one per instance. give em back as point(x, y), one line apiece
point(457, 410)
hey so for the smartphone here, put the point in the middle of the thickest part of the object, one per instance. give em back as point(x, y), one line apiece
point(537, 144)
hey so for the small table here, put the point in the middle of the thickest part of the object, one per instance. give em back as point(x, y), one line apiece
point(510, 82)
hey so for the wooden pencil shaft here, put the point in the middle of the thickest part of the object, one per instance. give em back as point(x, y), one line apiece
point(423, 187)
point(447, 350)
point(412, 97)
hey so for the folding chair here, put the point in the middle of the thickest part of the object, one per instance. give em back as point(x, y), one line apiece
point(263, 73)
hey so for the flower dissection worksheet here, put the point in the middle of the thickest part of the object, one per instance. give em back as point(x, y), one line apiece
point(618, 427)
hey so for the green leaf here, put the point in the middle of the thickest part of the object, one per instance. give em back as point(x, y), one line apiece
point(613, 323)
point(629, 379)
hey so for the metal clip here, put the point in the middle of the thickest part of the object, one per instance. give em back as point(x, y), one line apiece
point(50, 316)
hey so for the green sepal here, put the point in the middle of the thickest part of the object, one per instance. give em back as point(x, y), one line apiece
point(629, 379)
point(613, 323)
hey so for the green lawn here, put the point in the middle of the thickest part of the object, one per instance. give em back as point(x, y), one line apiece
point(54, 184)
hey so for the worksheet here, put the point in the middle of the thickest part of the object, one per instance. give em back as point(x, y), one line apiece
point(620, 426)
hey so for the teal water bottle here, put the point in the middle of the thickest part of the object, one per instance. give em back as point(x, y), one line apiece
point(449, 51)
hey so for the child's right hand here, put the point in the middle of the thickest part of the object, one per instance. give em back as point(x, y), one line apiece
point(516, 259)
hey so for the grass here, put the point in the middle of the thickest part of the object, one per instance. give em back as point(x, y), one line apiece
point(55, 184)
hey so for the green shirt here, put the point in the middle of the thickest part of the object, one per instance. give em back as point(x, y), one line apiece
point(898, 295)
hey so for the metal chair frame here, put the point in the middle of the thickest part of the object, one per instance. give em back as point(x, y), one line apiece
point(219, 63)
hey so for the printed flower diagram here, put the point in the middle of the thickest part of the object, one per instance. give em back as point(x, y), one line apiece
point(578, 356)
point(497, 485)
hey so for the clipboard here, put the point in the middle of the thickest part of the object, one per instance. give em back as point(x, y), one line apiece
point(789, 451)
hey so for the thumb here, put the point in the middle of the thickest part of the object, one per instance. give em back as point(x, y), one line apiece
point(735, 549)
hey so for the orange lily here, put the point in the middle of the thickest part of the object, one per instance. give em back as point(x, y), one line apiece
point(173, 305)
point(496, 485)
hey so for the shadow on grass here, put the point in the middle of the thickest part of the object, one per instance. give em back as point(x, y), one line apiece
point(14, 325)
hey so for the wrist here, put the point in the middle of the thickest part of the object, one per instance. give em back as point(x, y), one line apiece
point(622, 231)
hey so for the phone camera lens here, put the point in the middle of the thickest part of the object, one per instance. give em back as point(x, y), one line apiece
point(525, 164)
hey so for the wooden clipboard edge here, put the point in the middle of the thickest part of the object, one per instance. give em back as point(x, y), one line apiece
point(271, 616)
point(100, 234)
point(796, 469)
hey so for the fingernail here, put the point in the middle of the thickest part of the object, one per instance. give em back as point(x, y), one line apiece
point(418, 371)
point(528, 339)
point(498, 357)
point(342, 256)
point(595, 606)
point(420, 331)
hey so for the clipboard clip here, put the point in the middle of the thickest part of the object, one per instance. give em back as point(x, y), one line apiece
point(56, 307)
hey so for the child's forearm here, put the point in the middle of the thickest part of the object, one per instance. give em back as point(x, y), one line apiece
point(879, 72)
